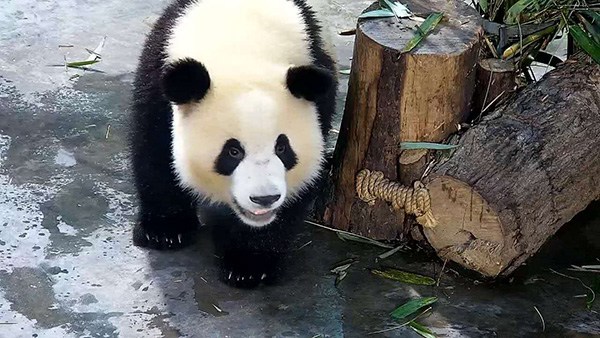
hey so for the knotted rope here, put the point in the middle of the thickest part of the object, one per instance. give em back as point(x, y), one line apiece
point(371, 185)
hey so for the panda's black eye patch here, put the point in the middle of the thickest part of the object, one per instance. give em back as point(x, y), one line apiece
point(230, 157)
point(284, 151)
point(236, 153)
point(280, 149)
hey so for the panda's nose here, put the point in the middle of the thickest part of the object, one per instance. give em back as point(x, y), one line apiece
point(265, 201)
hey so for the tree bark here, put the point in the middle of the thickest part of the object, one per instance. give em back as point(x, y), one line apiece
point(394, 97)
point(496, 80)
point(516, 179)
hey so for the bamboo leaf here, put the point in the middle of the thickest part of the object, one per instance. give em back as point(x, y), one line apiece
point(411, 307)
point(76, 64)
point(594, 17)
point(345, 71)
point(590, 27)
point(341, 268)
point(484, 5)
point(426, 145)
point(338, 265)
point(350, 236)
point(585, 42)
point(515, 12)
point(422, 330)
point(390, 252)
point(423, 30)
point(399, 10)
point(361, 239)
point(404, 277)
point(377, 13)
point(94, 54)
point(340, 277)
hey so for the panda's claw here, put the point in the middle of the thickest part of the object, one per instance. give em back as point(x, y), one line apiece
point(165, 233)
point(264, 275)
point(230, 273)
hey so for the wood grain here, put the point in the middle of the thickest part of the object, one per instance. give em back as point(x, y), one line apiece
point(515, 180)
point(392, 97)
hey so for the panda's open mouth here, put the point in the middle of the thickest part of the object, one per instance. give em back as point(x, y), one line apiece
point(263, 216)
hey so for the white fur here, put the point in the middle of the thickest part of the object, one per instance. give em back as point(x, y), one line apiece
point(241, 39)
point(247, 47)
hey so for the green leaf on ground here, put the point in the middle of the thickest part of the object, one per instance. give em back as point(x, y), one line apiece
point(422, 330)
point(411, 307)
point(404, 277)
point(77, 64)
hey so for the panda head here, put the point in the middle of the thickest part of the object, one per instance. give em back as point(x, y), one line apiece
point(251, 141)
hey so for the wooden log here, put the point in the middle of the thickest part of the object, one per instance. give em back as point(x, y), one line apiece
point(516, 179)
point(496, 80)
point(393, 97)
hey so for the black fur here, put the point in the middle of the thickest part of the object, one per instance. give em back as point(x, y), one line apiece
point(284, 151)
point(308, 82)
point(168, 212)
point(246, 253)
point(184, 81)
point(226, 162)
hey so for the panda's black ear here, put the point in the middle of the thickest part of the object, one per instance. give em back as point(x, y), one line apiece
point(309, 82)
point(184, 81)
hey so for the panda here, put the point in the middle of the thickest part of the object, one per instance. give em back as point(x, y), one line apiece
point(232, 103)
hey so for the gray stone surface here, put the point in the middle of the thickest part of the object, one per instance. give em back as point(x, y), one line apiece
point(67, 265)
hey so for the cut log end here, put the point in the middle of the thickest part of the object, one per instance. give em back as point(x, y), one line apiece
point(468, 230)
point(516, 179)
point(496, 80)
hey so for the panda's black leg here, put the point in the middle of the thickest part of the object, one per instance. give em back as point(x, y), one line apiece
point(165, 229)
point(246, 264)
point(167, 216)
point(248, 256)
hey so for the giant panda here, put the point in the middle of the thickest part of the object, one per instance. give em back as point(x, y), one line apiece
point(232, 103)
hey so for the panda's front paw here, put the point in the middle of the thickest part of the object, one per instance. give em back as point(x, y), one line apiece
point(243, 279)
point(248, 270)
point(166, 235)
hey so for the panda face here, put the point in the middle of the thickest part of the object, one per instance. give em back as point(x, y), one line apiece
point(259, 186)
point(253, 147)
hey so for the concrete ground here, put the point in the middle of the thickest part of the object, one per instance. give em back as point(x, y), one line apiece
point(67, 265)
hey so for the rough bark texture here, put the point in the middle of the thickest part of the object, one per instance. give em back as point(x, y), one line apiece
point(394, 97)
point(496, 80)
point(515, 180)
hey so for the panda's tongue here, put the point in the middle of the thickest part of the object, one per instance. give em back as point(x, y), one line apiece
point(260, 212)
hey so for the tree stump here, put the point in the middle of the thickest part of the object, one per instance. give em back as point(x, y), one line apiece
point(515, 180)
point(392, 97)
point(496, 80)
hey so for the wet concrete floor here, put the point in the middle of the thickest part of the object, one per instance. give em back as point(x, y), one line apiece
point(67, 265)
